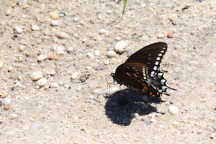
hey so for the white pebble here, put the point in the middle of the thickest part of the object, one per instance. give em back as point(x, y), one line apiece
point(75, 75)
point(102, 31)
point(42, 82)
point(97, 52)
point(35, 28)
point(120, 46)
point(69, 49)
point(160, 35)
point(36, 75)
point(76, 19)
point(90, 55)
point(203, 99)
point(111, 54)
point(60, 50)
point(54, 85)
point(62, 35)
point(143, 5)
point(54, 23)
point(12, 116)
point(18, 29)
point(42, 57)
point(173, 109)
point(50, 71)
point(7, 101)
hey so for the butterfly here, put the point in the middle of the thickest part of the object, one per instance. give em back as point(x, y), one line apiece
point(141, 70)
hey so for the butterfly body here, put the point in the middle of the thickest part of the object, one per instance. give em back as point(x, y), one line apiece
point(141, 70)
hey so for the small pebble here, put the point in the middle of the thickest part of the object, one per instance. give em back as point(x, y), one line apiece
point(97, 52)
point(62, 35)
point(90, 55)
point(51, 57)
point(143, 5)
point(170, 35)
point(160, 35)
point(3, 94)
point(13, 5)
point(102, 31)
point(50, 71)
point(42, 82)
point(7, 101)
point(84, 77)
point(54, 85)
point(36, 75)
point(12, 116)
point(54, 16)
point(35, 28)
point(120, 46)
point(70, 49)
point(203, 99)
point(75, 75)
point(18, 29)
point(111, 54)
point(54, 23)
point(1, 65)
point(60, 50)
point(42, 57)
point(76, 19)
point(173, 109)
point(8, 12)
point(25, 6)
point(6, 107)
point(62, 14)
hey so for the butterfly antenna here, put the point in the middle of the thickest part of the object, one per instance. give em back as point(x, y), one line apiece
point(108, 86)
point(171, 88)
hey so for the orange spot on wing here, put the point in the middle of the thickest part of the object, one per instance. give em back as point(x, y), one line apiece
point(150, 93)
point(145, 89)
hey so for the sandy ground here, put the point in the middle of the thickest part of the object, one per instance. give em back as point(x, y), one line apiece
point(55, 78)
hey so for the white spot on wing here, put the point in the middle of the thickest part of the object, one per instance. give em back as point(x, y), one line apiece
point(155, 68)
point(156, 63)
point(160, 54)
point(163, 81)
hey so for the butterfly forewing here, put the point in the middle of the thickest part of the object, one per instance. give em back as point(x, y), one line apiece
point(150, 55)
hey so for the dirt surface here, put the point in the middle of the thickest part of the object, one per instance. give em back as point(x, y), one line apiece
point(55, 70)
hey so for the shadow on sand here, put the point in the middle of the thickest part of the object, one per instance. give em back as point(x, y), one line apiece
point(121, 106)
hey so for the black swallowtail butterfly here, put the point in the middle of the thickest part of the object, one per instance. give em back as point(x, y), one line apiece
point(141, 70)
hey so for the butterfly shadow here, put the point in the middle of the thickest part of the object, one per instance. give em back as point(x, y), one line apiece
point(122, 105)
